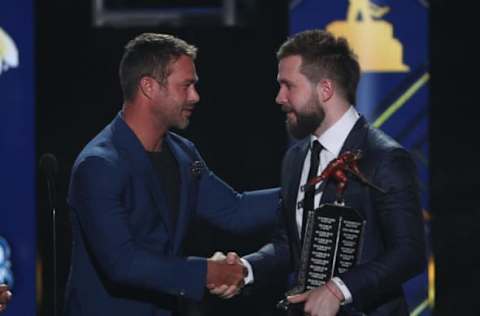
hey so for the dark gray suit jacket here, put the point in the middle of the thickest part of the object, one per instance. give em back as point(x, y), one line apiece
point(394, 245)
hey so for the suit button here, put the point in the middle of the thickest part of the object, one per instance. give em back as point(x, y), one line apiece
point(182, 293)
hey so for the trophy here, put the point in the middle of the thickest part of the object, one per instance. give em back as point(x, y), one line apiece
point(333, 232)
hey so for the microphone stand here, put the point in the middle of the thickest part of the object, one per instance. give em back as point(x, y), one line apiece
point(52, 199)
point(49, 166)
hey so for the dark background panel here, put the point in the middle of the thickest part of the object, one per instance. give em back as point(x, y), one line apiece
point(455, 157)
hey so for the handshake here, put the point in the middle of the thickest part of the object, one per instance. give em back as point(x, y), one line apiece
point(225, 274)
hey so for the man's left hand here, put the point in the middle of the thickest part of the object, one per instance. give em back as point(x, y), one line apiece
point(5, 296)
point(320, 301)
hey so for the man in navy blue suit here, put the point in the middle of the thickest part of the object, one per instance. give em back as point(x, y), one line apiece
point(318, 76)
point(136, 187)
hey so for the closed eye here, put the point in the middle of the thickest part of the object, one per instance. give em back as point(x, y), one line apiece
point(287, 84)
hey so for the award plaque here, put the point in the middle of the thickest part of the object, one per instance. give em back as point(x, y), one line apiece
point(332, 242)
point(333, 233)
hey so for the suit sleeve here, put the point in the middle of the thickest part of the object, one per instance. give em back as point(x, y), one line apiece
point(401, 227)
point(273, 259)
point(96, 196)
point(231, 211)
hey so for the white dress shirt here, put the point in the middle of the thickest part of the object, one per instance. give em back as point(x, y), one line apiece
point(332, 141)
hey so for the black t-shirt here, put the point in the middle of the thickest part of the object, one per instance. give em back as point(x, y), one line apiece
point(166, 167)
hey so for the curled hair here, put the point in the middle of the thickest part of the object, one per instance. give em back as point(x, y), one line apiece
point(325, 56)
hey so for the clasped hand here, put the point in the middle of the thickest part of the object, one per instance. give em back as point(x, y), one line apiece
point(225, 274)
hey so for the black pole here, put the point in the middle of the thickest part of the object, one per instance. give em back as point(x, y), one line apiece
point(49, 166)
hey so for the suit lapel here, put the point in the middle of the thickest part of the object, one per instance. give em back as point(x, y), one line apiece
point(127, 141)
point(184, 165)
point(293, 181)
point(355, 140)
point(356, 137)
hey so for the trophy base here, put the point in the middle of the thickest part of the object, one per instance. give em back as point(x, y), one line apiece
point(285, 305)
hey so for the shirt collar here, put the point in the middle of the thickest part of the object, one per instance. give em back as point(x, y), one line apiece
point(333, 138)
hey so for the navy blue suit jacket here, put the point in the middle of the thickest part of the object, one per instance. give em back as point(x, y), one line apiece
point(394, 246)
point(126, 256)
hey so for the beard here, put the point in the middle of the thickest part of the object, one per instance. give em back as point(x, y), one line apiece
point(182, 121)
point(308, 120)
point(173, 114)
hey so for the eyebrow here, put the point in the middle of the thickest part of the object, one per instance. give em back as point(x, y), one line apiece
point(284, 81)
point(191, 80)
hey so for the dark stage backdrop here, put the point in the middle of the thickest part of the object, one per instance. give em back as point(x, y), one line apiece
point(455, 156)
point(237, 126)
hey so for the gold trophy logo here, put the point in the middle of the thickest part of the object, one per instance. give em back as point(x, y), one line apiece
point(371, 37)
point(8, 52)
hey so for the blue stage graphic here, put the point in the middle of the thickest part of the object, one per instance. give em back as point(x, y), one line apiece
point(390, 39)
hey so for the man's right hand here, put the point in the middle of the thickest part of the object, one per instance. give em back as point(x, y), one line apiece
point(233, 279)
point(224, 273)
point(5, 296)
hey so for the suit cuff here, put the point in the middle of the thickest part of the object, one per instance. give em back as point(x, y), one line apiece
point(249, 278)
point(344, 289)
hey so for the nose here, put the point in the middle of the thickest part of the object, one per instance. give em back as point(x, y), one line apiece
point(194, 96)
point(281, 98)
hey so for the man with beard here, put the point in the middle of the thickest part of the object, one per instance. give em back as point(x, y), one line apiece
point(318, 76)
point(136, 187)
